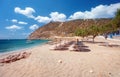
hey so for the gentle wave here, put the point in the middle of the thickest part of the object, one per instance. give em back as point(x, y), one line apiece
point(16, 44)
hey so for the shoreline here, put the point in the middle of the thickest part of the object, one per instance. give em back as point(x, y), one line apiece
point(100, 61)
point(6, 53)
point(2, 54)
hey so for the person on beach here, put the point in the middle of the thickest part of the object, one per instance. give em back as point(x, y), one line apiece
point(77, 41)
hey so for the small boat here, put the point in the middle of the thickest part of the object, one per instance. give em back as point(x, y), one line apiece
point(29, 41)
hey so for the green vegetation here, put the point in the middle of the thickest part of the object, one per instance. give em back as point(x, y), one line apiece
point(66, 29)
point(81, 32)
point(116, 20)
point(95, 30)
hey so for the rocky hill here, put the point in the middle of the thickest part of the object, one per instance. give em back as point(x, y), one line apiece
point(67, 28)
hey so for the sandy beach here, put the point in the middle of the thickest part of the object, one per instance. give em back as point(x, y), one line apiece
point(100, 61)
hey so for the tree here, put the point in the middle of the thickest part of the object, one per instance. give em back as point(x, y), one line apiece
point(94, 30)
point(81, 32)
point(113, 25)
point(116, 20)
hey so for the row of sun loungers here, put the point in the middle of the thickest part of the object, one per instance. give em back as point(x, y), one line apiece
point(15, 57)
point(72, 46)
point(61, 46)
point(79, 46)
point(109, 45)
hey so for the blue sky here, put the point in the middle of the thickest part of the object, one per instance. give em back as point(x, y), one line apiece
point(18, 18)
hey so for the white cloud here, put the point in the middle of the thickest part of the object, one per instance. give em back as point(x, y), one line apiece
point(42, 19)
point(13, 27)
point(101, 11)
point(34, 27)
point(55, 16)
point(21, 22)
point(14, 20)
point(28, 11)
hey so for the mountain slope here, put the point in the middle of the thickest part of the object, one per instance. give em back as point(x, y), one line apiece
point(64, 28)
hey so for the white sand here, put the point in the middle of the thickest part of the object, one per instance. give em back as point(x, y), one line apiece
point(99, 62)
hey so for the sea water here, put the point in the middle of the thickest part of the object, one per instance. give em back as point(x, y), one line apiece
point(16, 44)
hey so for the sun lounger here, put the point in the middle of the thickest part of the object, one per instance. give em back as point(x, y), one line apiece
point(14, 57)
point(109, 45)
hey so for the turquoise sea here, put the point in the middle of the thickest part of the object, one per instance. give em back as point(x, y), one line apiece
point(16, 44)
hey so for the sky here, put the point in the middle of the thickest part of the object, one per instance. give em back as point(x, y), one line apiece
point(19, 18)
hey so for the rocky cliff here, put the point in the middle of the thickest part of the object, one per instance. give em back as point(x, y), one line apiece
point(64, 28)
